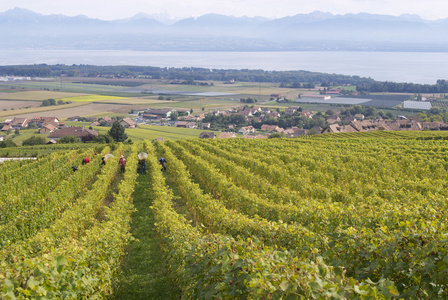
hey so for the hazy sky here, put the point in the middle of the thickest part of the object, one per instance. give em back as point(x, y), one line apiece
point(119, 9)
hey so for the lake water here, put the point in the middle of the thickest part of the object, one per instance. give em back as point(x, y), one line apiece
point(415, 67)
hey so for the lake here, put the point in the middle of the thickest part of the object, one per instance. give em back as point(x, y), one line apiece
point(415, 67)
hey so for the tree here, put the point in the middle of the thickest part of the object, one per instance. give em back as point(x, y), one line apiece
point(34, 140)
point(117, 132)
point(174, 116)
point(329, 112)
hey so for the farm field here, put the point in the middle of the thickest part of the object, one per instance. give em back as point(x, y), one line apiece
point(149, 132)
point(115, 93)
point(67, 110)
point(13, 105)
point(38, 95)
point(355, 216)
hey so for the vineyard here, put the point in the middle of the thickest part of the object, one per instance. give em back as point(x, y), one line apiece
point(332, 216)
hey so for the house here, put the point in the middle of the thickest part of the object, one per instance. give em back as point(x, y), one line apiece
point(307, 113)
point(349, 119)
point(402, 125)
point(226, 135)
point(315, 130)
point(107, 120)
point(246, 130)
point(19, 123)
point(192, 125)
point(160, 113)
point(335, 128)
point(266, 127)
point(265, 110)
point(296, 132)
point(96, 123)
point(47, 128)
point(205, 125)
point(52, 142)
point(290, 111)
point(249, 112)
point(1, 138)
point(73, 119)
point(333, 119)
point(365, 125)
point(128, 123)
point(289, 132)
point(40, 121)
point(150, 117)
point(6, 128)
point(369, 125)
point(182, 124)
point(434, 126)
point(79, 132)
point(207, 135)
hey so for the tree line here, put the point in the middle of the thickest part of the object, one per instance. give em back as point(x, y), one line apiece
point(441, 86)
point(190, 75)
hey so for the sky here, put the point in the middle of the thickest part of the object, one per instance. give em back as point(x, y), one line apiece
point(177, 9)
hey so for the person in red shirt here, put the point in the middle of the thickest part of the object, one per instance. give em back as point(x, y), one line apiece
point(85, 160)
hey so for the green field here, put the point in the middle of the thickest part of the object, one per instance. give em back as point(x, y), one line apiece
point(149, 132)
point(332, 216)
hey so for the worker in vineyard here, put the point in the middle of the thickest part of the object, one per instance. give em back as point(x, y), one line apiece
point(142, 166)
point(122, 163)
point(85, 160)
point(163, 163)
point(103, 161)
point(74, 168)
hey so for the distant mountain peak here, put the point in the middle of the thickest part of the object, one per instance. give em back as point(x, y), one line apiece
point(16, 11)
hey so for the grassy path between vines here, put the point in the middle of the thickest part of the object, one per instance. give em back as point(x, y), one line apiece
point(143, 272)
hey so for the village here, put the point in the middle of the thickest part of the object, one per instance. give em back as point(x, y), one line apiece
point(250, 122)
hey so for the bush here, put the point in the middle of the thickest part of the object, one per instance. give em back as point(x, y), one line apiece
point(103, 139)
point(276, 135)
point(68, 139)
point(7, 143)
point(35, 140)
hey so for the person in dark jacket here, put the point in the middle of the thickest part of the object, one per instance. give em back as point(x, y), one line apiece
point(163, 163)
point(142, 166)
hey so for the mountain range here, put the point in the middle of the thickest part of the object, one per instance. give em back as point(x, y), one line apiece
point(317, 31)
